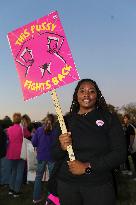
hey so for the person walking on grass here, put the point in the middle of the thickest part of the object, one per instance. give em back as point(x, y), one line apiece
point(15, 135)
point(42, 140)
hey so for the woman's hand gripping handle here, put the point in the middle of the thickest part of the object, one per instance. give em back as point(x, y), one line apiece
point(66, 144)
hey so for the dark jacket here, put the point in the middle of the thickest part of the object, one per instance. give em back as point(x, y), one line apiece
point(3, 143)
point(97, 138)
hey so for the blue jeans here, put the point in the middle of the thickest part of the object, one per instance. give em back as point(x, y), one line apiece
point(4, 171)
point(41, 168)
point(16, 176)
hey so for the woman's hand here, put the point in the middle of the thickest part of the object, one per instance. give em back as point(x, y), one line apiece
point(65, 140)
point(76, 167)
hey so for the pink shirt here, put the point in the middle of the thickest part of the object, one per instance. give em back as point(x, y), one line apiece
point(15, 135)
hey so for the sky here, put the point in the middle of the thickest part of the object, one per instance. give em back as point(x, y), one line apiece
point(102, 37)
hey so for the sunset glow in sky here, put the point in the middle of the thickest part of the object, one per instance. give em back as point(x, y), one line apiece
point(102, 39)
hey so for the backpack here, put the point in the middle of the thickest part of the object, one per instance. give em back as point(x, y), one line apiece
point(134, 143)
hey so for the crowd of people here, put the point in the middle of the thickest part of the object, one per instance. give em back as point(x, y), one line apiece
point(100, 141)
point(13, 169)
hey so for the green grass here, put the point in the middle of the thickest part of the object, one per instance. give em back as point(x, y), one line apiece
point(126, 193)
point(126, 190)
point(24, 199)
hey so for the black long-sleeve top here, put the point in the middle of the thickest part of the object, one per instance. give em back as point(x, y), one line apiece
point(97, 138)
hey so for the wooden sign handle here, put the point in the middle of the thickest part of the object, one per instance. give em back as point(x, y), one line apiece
point(61, 122)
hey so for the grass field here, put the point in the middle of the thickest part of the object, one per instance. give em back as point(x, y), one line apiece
point(24, 199)
point(126, 193)
point(126, 190)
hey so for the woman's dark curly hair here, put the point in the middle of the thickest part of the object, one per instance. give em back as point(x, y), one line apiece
point(100, 102)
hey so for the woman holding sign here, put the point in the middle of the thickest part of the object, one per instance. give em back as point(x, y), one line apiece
point(98, 142)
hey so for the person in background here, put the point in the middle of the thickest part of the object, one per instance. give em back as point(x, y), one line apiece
point(26, 123)
point(15, 135)
point(3, 145)
point(129, 135)
point(35, 125)
point(98, 142)
point(6, 122)
point(4, 162)
point(3, 142)
point(42, 140)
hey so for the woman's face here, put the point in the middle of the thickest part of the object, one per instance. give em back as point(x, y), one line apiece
point(86, 97)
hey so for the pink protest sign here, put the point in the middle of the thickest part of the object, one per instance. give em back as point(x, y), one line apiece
point(42, 56)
